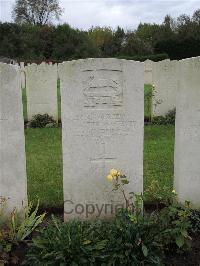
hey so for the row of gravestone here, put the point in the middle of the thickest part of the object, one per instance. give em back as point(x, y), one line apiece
point(163, 76)
point(102, 128)
point(41, 85)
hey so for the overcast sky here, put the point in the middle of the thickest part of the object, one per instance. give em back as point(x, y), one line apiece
point(84, 14)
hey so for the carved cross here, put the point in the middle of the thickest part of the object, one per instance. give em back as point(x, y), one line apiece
point(104, 160)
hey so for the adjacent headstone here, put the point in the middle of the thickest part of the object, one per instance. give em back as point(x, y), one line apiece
point(23, 77)
point(148, 79)
point(187, 143)
point(8, 60)
point(12, 145)
point(165, 82)
point(102, 128)
point(41, 89)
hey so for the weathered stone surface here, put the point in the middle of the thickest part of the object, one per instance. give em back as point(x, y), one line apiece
point(148, 78)
point(23, 77)
point(187, 144)
point(41, 86)
point(12, 147)
point(102, 120)
point(165, 82)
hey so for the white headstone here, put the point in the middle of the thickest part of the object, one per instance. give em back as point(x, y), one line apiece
point(165, 82)
point(102, 121)
point(187, 144)
point(12, 145)
point(41, 89)
point(148, 72)
point(23, 77)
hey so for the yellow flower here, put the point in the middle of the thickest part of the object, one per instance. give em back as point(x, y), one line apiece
point(113, 172)
point(110, 178)
point(173, 191)
point(118, 173)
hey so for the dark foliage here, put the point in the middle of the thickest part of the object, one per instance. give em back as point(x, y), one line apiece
point(195, 221)
point(178, 48)
point(174, 38)
point(129, 239)
point(41, 121)
point(168, 119)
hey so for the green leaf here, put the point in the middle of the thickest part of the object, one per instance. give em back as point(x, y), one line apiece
point(180, 241)
point(125, 181)
point(101, 244)
point(184, 233)
point(145, 250)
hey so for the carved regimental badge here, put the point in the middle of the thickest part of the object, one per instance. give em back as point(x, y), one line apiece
point(103, 88)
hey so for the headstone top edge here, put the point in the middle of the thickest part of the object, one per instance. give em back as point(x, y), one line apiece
point(99, 60)
point(190, 62)
point(10, 66)
point(40, 66)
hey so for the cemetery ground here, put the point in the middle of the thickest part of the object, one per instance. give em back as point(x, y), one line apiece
point(44, 158)
point(138, 240)
point(44, 170)
point(44, 163)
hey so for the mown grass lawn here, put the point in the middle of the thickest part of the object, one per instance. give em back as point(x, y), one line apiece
point(44, 162)
point(44, 166)
point(159, 157)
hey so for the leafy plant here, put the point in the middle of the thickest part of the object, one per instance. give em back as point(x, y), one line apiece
point(132, 240)
point(120, 242)
point(156, 101)
point(173, 219)
point(148, 93)
point(168, 119)
point(119, 181)
point(174, 224)
point(157, 194)
point(21, 229)
point(41, 121)
point(133, 237)
point(3, 202)
point(15, 229)
point(195, 221)
point(72, 243)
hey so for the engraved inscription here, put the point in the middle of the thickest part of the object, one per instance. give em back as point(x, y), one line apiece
point(3, 118)
point(104, 125)
point(103, 88)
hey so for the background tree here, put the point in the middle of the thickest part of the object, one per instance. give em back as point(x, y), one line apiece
point(101, 37)
point(196, 16)
point(36, 12)
point(175, 38)
point(133, 45)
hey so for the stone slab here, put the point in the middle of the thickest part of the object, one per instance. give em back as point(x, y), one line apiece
point(187, 143)
point(13, 182)
point(165, 81)
point(41, 88)
point(102, 128)
point(148, 78)
point(23, 76)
